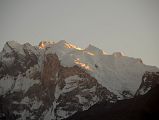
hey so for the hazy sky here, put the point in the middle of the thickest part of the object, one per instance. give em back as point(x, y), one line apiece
point(130, 26)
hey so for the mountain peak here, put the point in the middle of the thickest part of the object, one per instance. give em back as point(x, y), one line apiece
point(94, 50)
point(58, 77)
point(13, 46)
point(62, 41)
point(44, 44)
point(118, 54)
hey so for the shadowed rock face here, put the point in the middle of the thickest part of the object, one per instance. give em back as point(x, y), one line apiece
point(19, 62)
point(50, 70)
point(61, 91)
point(149, 80)
point(139, 108)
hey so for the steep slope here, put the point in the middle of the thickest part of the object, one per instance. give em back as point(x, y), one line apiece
point(56, 79)
point(149, 80)
point(116, 72)
point(16, 58)
point(139, 108)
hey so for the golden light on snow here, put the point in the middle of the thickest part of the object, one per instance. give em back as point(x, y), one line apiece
point(41, 45)
point(79, 48)
point(70, 45)
point(89, 53)
point(67, 45)
point(78, 62)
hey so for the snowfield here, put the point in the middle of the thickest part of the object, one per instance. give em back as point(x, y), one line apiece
point(116, 72)
point(99, 76)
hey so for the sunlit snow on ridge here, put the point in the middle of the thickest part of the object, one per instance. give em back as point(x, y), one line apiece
point(113, 71)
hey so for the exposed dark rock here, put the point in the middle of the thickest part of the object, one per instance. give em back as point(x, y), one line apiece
point(139, 108)
point(149, 80)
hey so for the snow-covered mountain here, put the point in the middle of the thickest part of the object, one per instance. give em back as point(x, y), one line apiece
point(56, 79)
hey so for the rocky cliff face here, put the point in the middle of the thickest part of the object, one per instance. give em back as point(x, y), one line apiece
point(149, 80)
point(55, 80)
point(17, 58)
point(139, 108)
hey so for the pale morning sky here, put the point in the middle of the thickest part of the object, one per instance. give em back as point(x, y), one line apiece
point(130, 26)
